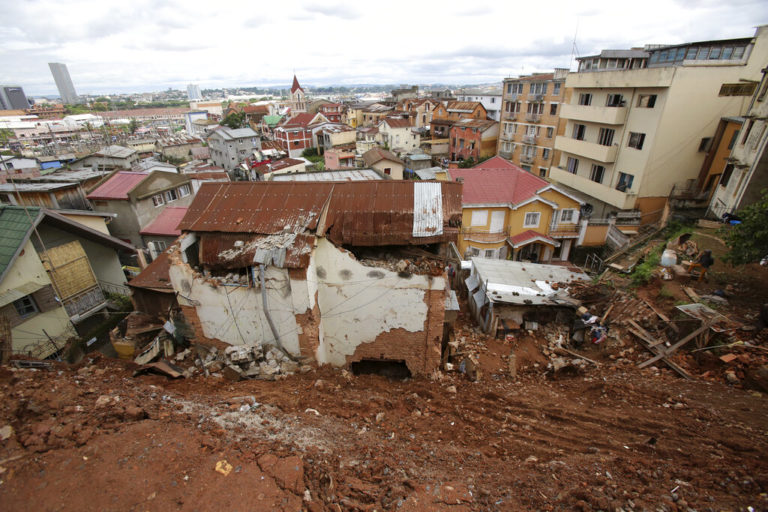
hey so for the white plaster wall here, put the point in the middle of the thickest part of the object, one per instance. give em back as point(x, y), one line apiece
point(357, 302)
point(234, 314)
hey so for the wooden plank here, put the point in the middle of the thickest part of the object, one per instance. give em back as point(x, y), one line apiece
point(576, 354)
point(692, 294)
point(651, 348)
point(608, 312)
point(662, 353)
point(662, 316)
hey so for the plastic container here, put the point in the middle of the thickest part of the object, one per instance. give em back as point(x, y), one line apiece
point(668, 258)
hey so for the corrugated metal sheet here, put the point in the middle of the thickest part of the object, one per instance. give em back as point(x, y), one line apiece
point(228, 250)
point(427, 209)
point(155, 276)
point(166, 224)
point(365, 213)
point(118, 186)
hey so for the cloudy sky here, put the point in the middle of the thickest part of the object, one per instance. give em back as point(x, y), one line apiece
point(145, 45)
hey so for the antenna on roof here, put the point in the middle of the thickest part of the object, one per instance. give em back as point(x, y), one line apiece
point(574, 48)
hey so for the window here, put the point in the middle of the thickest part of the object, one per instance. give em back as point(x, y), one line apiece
point(585, 99)
point(545, 153)
point(25, 306)
point(646, 101)
point(158, 200)
point(535, 108)
point(597, 174)
point(490, 253)
point(739, 89)
point(531, 220)
point(568, 215)
point(513, 107)
point(170, 195)
point(636, 140)
point(388, 171)
point(538, 88)
point(550, 132)
point(614, 100)
point(726, 175)
point(734, 138)
point(556, 89)
point(553, 109)
point(578, 131)
point(479, 218)
point(705, 144)
point(691, 54)
point(183, 190)
point(625, 182)
point(606, 136)
point(543, 172)
point(515, 88)
point(573, 165)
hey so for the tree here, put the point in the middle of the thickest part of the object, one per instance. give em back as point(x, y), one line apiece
point(748, 241)
point(234, 120)
point(132, 125)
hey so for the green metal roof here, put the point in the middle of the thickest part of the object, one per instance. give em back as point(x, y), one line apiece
point(14, 227)
point(271, 120)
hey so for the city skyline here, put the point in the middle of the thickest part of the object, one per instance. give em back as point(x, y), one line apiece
point(144, 48)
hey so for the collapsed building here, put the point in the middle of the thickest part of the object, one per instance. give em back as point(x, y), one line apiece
point(338, 273)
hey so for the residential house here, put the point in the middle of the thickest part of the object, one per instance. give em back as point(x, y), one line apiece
point(178, 147)
point(385, 162)
point(201, 174)
point(151, 291)
point(335, 175)
point(230, 147)
point(433, 173)
point(444, 116)
point(491, 99)
point(405, 92)
point(639, 122)
point(334, 112)
point(159, 234)
point(505, 296)
point(398, 135)
point(509, 213)
point(367, 139)
point(339, 159)
point(151, 164)
point(296, 133)
point(315, 281)
point(473, 138)
point(353, 114)
point(374, 113)
point(144, 147)
point(530, 118)
point(335, 136)
point(138, 198)
point(50, 195)
point(417, 160)
point(745, 175)
point(419, 111)
point(53, 272)
point(110, 157)
point(282, 166)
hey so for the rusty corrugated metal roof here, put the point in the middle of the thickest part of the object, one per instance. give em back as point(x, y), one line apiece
point(230, 250)
point(155, 276)
point(364, 213)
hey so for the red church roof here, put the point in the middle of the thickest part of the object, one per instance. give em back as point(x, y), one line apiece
point(295, 85)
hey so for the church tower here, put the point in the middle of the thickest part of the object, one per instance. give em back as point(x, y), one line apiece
point(298, 97)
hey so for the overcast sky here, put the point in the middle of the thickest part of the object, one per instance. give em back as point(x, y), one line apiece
point(145, 45)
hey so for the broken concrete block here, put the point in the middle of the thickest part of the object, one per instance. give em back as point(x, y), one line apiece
point(239, 354)
point(268, 368)
point(233, 373)
point(214, 366)
point(289, 366)
point(253, 371)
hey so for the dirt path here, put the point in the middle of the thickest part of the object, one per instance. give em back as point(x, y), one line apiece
point(608, 438)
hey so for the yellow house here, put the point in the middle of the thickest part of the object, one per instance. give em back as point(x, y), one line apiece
point(509, 213)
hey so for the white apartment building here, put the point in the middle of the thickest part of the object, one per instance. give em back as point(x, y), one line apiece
point(638, 121)
point(491, 100)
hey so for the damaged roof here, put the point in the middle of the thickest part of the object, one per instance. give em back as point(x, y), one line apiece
point(155, 276)
point(360, 213)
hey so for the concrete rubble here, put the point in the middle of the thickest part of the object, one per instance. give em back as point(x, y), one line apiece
point(240, 362)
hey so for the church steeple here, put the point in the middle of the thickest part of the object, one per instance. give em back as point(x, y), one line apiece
point(295, 85)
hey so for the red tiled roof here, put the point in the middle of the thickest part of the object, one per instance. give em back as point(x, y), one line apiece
point(256, 109)
point(167, 223)
point(502, 183)
point(271, 144)
point(155, 276)
point(118, 186)
point(295, 85)
point(529, 236)
point(395, 122)
point(299, 120)
point(378, 154)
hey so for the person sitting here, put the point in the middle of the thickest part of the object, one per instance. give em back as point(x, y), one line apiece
point(702, 264)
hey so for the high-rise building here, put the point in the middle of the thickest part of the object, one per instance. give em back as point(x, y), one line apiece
point(193, 92)
point(63, 82)
point(637, 124)
point(12, 97)
point(530, 119)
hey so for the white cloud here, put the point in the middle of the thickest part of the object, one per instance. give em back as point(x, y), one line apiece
point(142, 45)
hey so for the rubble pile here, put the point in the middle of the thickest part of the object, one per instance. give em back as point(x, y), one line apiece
point(418, 266)
point(240, 362)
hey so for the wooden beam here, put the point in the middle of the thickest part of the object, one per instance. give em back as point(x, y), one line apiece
point(666, 353)
point(608, 312)
point(576, 354)
point(662, 316)
point(651, 348)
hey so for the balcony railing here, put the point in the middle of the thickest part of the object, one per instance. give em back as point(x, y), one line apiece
point(483, 236)
point(505, 154)
point(511, 116)
point(84, 302)
point(528, 159)
point(529, 139)
point(533, 118)
point(557, 229)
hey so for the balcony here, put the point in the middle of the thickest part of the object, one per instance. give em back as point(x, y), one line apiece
point(527, 159)
point(620, 200)
point(84, 304)
point(506, 154)
point(529, 139)
point(533, 118)
point(602, 115)
point(478, 235)
point(559, 230)
point(508, 136)
point(586, 149)
point(536, 97)
point(510, 116)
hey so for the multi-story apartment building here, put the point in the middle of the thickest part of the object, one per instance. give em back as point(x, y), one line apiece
point(529, 120)
point(638, 122)
point(230, 147)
